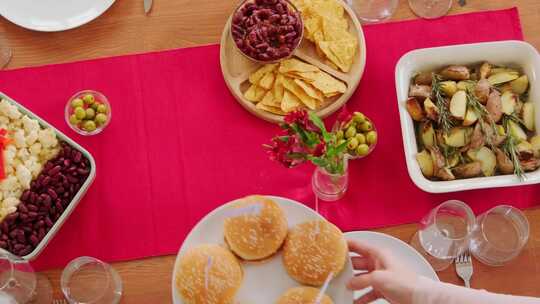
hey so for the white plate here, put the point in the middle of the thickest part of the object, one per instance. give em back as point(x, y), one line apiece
point(399, 249)
point(52, 15)
point(511, 53)
point(265, 282)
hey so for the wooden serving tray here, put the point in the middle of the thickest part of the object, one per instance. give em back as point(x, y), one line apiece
point(236, 69)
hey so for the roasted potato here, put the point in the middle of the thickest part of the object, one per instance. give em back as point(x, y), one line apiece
point(488, 161)
point(502, 77)
point(468, 170)
point(535, 142)
point(423, 91)
point(520, 84)
point(414, 109)
point(481, 91)
point(427, 134)
point(449, 88)
point(423, 78)
point(445, 174)
point(527, 114)
point(504, 163)
point(432, 112)
point(530, 164)
point(485, 70)
point(456, 72)
point(508, 102)
point(425, 162)
point(458, 105)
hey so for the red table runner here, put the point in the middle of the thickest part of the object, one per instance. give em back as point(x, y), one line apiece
point(179, 145)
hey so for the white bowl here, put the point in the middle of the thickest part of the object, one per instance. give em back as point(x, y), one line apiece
point(510, 53)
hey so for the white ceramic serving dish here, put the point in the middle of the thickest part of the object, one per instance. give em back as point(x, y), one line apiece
point(52, 15)
point(263, 282)
point(78, 196)
point(510, 53)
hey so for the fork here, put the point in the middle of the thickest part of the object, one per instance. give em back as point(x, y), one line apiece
point(60, 301)
point(464, 267)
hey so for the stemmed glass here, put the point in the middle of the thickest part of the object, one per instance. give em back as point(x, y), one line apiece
point(499, 235)
point(430, 9)
point(373, 11)
point(444, 233)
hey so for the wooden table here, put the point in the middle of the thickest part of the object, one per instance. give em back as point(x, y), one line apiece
point(179, 23)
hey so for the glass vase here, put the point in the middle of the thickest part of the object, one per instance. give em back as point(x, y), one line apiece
point(330, 186)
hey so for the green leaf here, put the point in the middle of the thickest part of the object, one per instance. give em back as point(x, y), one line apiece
point(320, 124)
point(318, 161)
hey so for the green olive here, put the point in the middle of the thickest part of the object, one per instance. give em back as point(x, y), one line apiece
point(102, 109)
point(73, 120)
point(79, 112)
point(101, 119)
point(89, 99)
point(339, 134)
point(362, 150)
point(366, 126)
point(95, 106)
point(89, 125)
point(351, 132)
point(371, 137)
point(361, 138)
point(359, 117)
point(90, 113)
point(352, 143)
point(77, 102)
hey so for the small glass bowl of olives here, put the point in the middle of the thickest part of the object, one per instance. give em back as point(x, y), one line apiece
point(359, 133)
point(88, 112)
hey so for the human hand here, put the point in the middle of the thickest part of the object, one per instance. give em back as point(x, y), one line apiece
point(389, 278)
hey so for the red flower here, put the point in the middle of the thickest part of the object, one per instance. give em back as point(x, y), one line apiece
point(286, 150)
point(319, 149)
point(301, 118)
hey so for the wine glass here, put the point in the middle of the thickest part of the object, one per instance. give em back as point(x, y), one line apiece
point(373, 11)
point(430, 9)
point(18, 280)
point(90, 281)
point(499, 235)
point(444, 233)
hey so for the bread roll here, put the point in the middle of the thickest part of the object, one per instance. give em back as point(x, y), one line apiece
point(208, 274)
point(313, 250)
point(303, 295)
point(257, 230)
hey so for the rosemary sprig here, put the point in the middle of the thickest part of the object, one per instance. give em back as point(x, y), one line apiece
point(445, 117)
point(510, 146)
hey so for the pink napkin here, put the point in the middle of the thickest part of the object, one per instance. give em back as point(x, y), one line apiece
point(179, 145)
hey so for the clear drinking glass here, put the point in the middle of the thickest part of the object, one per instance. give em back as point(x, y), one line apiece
point(330, 187)
point(90, 281)
point(430, 9)
point(499, 235)
point(17, 278)
point(444, 233)
point(373, 11)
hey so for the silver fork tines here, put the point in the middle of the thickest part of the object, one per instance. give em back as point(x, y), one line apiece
point(464, 267)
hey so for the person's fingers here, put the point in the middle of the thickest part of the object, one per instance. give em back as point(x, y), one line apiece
point(367, 298)
point(361, 263)
point(360, 281)
point(362, 248)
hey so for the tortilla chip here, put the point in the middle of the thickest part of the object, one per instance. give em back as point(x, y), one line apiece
point(290, 85)
point(269, 100)
point(254, 93)
point(278, 88)
point(309, 89)
point(295, 65)
point(266, 108)
point(290, 102)
point(328, 85)
point(267, 81)
point(340, 52)
point(255, 77)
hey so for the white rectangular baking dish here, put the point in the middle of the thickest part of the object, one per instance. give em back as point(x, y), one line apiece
point(75, 201)
point(509, 53)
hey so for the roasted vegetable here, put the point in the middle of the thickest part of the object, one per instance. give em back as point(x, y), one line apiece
point(485, 70)
point(470, 118)
point(457, 137)
point(502, 77)
point(504, 163)
point(520, 85)
point(527, 114)
point(481, 91)
point(508, 102)
point(414, 109)
point(535, 142)
point(525, 150)
point(468, 170)
point(465, 85)
point(488, 160)
point(425, 162)
point(516, 131)
point(432, 112)
point(427, 134)
point(449, 88)
point(423, 78)
point(445, 174)
point(423, 91)
point(458, 105)
point(494, 106)
point(456, 72)
point(530, 164)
